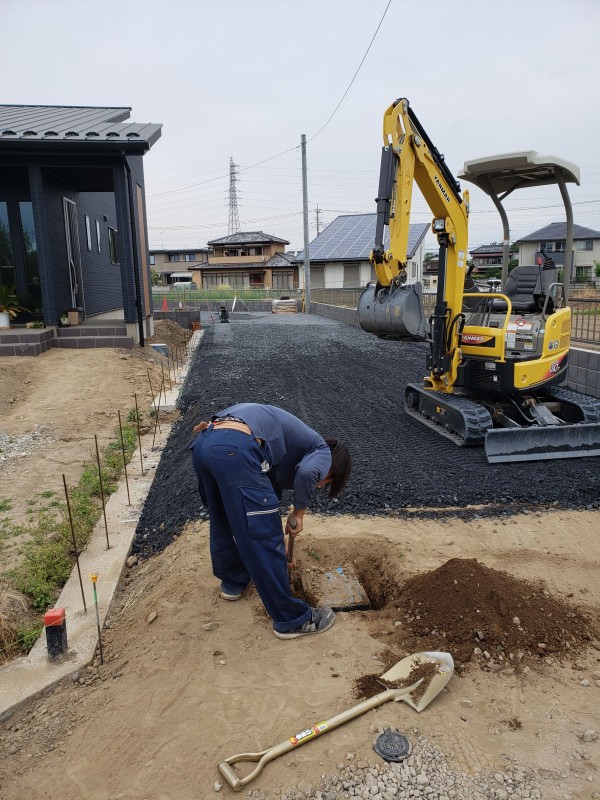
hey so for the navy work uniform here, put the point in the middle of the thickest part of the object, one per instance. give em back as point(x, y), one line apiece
point(241, 481)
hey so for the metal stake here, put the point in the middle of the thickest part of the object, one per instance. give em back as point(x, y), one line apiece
point(74, 542)
point(124, 460)
point(156, 420)
point(152, 393)
point(94, 577)
point(137, 419)
point(102, 491)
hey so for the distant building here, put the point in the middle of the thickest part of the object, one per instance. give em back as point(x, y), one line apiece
point(553, 238)
point(487, 257)
point(247, 259)
point(339, 256)
point(171, 263)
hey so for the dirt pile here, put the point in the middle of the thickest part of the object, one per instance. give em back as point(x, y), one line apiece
point(478, 613)
point(170, 333)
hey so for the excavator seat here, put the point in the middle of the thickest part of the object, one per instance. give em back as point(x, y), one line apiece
point(526, 288)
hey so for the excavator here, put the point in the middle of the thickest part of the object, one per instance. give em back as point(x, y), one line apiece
point(496, 358)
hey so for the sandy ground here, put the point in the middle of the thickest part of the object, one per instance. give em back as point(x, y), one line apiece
point(206, 679)
point(51, 407)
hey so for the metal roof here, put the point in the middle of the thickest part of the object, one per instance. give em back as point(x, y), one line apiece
point(557, 231)
point(281, 260)
point(221, 265)
point(76, 126)
point(487, 248)
point(352, 237)
point(255, 237)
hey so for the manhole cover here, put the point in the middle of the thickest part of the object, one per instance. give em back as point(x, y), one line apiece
point(392, 746)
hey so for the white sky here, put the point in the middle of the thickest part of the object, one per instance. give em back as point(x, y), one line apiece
point(245, 78)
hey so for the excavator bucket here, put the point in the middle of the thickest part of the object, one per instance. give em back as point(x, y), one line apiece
point(393, 313)
point(543, 443)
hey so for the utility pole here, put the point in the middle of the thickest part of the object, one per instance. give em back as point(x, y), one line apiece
point(318, 213)
point(306, 240)
point(234, 217)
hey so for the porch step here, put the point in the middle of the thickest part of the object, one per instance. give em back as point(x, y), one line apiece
point(89, 336)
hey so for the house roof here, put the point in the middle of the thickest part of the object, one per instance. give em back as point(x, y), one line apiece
point(156, 250)
point(254, 237)
point(227, 265)
point(281, 260)
point(486, 248)
point(351, 237)
point(557, 231)
point(75, 127)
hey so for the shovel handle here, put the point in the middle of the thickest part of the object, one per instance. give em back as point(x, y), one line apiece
point(307, 735)
point(290, 548)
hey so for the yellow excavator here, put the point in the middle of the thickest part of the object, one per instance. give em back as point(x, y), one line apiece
point(496, 359)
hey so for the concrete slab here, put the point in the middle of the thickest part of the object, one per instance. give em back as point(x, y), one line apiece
point(25, 677)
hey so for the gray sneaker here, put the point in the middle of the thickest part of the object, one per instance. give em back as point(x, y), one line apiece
point(322, 619)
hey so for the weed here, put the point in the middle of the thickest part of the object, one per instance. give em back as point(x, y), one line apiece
point(314, 553)
point(134, 416)
point(27, 635)
point(5, 505)
point(47, 494)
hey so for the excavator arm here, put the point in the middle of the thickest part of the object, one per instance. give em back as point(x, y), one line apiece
point(391, 309)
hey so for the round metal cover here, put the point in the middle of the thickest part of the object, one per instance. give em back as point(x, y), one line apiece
point(392, 746)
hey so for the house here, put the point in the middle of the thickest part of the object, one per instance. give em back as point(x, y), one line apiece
point(553, 237)
point(170, 265)
point(339, 256)
point(246, 260)
point(72, 216)
point(487, 257)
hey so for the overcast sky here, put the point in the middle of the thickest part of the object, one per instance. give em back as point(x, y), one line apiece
point(243, 79)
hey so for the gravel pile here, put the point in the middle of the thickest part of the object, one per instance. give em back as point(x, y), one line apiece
point(425, 774)
point(349, 384)
point(24, 445)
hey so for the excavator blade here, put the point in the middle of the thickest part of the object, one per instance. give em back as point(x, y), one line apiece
point(581, 440)
point(393, 313)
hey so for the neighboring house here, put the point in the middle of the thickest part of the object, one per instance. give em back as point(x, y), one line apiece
point(339, 256)
point(586, 247)
point(170, 264)
point(72, 213)
point(430, 273)
point(487, 257)
point(245, 260)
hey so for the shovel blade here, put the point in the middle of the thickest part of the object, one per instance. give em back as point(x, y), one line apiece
point(443, 665)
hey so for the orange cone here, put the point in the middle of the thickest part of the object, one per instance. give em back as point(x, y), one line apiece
point(165, 305)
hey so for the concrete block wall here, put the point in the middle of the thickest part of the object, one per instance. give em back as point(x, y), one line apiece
point(584, 371)
point(584, 368)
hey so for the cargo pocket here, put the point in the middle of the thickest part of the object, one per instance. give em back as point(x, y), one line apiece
point(262, 512)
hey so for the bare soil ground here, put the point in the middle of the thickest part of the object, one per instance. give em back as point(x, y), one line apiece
point(190, 679)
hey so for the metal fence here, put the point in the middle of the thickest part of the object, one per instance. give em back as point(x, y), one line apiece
point(222, 293)
point(585, 311)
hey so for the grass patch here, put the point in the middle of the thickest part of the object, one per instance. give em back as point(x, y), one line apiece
point(48, 554)
point(5, 505)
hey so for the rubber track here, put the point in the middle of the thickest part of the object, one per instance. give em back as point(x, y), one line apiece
point(590, 407)
point(477, 420)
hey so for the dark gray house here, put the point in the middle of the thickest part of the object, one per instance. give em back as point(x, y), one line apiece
point(73, 229)
point(553, 237)
point(339, 256)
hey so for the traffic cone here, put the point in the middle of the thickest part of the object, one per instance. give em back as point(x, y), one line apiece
point(165, 305)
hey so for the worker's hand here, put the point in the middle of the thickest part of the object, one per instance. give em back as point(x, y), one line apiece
point(201, 426)
point(294, 524)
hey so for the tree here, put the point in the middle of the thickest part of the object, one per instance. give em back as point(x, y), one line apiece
point(429, 256)
point(597, 269)
point(154, 277)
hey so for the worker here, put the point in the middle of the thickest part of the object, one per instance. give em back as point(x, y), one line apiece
point(244, 459)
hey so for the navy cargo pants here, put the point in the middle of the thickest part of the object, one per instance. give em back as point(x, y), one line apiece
point(246, 535)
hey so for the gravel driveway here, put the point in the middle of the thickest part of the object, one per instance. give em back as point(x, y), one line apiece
point(349, 384)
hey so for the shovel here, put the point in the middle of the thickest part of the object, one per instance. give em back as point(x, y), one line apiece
point(437, 668)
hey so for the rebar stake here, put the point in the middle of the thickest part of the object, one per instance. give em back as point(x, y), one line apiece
point(102, 491)
point(94, 578)
point(74, 542)
point(152, 394)
point(124, 459)
point(137, 419)
point(156, 420)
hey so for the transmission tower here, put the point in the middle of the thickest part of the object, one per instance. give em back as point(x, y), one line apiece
point(234, 217)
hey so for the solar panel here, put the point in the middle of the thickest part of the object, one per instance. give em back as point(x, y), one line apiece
point(352, 237)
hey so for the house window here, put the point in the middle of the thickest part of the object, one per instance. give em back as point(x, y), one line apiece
point(112, 246)
point(255, 251)
point(152, 260)
point(98, 240)
point(189, 257)
point(584, 244)
point(283, 280)
point(8, 275)
point(32, 272)
point(88, 233)
point(173, 257)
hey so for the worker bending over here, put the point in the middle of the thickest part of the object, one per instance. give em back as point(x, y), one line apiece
point(244, 459)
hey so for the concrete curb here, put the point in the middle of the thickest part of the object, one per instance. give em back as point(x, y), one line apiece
point(32, 674)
